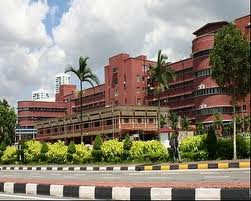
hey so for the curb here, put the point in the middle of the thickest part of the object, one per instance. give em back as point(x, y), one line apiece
point(126, 193)
point(182, 166)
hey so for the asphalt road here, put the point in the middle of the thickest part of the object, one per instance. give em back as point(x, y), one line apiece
point(132, 176)
point(8, 196)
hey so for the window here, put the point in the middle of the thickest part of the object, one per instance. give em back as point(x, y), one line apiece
point(69, 128)
point(244, 108)
point(138, 101)
point(139, 120)
point(150, 120)
point(77, 127)
point(86, 125)
point(62, 129)
point(126, 120)
point(97, 124)
point(55, 130)
point(204, 72)
point(109, 122)
point(116, 92)
point(143, 68)
point(138, 90)
point(201, 53)
point(138, 78)
point(208, 91)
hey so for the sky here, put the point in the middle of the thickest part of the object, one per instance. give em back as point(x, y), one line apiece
point(38, 38)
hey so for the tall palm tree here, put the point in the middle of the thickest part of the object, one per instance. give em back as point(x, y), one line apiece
point(84, 74)
point(174, 118)
point(163, 74)
point(217, 123)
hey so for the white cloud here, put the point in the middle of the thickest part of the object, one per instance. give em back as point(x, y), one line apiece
point(30, 58)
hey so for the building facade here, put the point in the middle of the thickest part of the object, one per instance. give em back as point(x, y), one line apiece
point(128, 83)
point(62, 79)
point(40, 95)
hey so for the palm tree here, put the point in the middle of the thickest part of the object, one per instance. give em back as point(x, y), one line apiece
point(199, 127)
point(174, 118)
point(217, 123)
point(246, 123)
point(163, 74)
point(185, 123)
point(84, 74)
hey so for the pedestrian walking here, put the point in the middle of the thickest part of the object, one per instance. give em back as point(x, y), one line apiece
point(174, 143)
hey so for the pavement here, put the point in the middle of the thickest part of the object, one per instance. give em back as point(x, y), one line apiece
point(138, 167)
point(151, 185)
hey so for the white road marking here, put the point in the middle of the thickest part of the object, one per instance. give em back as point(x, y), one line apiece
point(29, 197)
point(215, 177)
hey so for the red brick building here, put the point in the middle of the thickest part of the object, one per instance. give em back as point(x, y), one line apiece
point(194, 93)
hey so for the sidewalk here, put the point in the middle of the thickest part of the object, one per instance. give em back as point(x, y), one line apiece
point(245, 163)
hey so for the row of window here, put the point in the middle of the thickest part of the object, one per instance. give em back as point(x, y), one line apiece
point(207, 91)
point(209, 111)
point(183, 72)
point(201, 53)
point(182, 85)
point(37, 109)
point(203, 72)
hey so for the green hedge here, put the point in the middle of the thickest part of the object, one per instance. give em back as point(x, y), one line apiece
point(10, 155)
point(32, 151)
point(82, 154)
point(112, 151)
point(193, 148)
point(148, 151)
point(57, 153)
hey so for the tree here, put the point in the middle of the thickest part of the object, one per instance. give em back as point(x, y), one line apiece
point(230, 61)
point(247, 123)
point(211, 143)
point(163, 74)
point(199, 127)
point(239, 123)
point(174, 118)
point(85, 75)
point(162, 120)
point(71, 149)
point(127, 146)
point(218, 123)
point(96, 151)
point(8, 124)
point(185, 123)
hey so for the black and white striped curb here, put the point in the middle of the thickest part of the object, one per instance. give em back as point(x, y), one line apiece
point(126, 193)
point(130, 168)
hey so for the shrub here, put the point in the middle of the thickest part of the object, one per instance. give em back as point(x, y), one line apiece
point(242, 147)
point(10, 155)
point(211, 144)
point(44, 150)
point(57, 153)
point(225, 149)
point(96, 151)
point(148, 151)
point(71, 149)
point(82, 154)
point(247, 141)
point(32, 150)
point(112, 151)
point(126, 147)
point(194, 148)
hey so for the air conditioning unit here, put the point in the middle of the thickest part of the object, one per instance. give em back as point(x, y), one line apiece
point(203, 106)
point(201, 86)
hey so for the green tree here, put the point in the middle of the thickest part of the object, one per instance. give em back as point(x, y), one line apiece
point(162, 74)
point(239, 123)
point(8, 120)
point(96, 151)
point(174, 119)
point(199, 127)
point(127, 146)
point(44, 150)
point(247, 123)
point(218, 123)
point(211, 143)
point(230, 60)
point(185, 123)
point(162, 120)
point(85, 75)
point(71, 149)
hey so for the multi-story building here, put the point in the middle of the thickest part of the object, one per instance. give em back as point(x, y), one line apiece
point(127, 83)
point(62, 79)
point(40, 95)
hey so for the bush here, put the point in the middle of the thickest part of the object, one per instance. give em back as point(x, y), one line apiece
point(32, 150)
point(247, 141)
point(71, 149)
point(44, 150)
point(112, 151)
point(148, 151)
point(211, 144)
point(225, 149)
point(96, 151)
point(82, 154)
point(10, 155)
point(57, 153)
point(126, 147)
point(193, 148)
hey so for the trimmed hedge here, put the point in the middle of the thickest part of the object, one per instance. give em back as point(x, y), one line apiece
point(10, 155)
point(148, 151)
point(112, 151)
point(32, 151)
point(82, 154)
point(57, 153)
